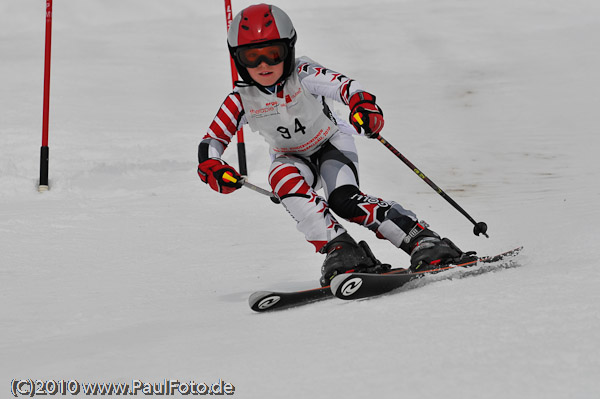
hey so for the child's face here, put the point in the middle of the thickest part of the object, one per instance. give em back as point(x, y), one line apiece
point(265, 74)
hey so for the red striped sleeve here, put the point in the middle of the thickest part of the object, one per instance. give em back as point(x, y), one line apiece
point(226, 122)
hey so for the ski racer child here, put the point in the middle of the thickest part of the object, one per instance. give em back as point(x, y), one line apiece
point(284, 100)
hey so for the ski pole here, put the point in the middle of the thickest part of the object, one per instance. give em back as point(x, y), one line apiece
point(479, 227)
point(245, 183)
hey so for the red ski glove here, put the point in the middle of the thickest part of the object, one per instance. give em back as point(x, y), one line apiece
point(365, 115)
point(211, 172)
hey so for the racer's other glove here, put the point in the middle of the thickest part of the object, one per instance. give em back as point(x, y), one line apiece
point(211, 172)
point(365, 115)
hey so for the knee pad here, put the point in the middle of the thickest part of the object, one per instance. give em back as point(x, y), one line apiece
point(341, 202)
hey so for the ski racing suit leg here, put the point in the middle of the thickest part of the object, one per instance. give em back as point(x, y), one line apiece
point(338, 168)
point(295, 180)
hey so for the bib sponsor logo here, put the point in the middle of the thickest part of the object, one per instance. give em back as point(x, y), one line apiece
point(269, 109)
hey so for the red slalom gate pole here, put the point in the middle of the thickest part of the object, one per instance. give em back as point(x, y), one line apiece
point(229, 18)
point(45, 151)
point(241, 147)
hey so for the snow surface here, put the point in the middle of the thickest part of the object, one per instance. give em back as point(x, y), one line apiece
point(131, 268)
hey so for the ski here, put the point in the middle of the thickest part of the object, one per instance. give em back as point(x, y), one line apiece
point(362, 285)
point(262, 301)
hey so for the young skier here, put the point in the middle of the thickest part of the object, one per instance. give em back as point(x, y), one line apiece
point(283, 99)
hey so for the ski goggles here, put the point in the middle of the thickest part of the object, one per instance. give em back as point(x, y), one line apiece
point(251, 57)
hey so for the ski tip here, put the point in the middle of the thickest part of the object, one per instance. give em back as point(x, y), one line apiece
point(508, 254)
point(263, 300)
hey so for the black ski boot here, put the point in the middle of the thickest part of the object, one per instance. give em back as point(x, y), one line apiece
point(428, 251)
point(344, 255)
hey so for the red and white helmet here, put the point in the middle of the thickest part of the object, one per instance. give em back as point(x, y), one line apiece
point(258, 26)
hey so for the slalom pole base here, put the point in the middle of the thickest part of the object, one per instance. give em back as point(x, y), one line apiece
point(44, 161)
point(241, 148)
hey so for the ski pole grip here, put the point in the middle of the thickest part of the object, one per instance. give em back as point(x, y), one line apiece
point(229, 178)
point(358, 119)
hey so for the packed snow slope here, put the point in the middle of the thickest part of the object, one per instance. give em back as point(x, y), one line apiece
point(131, 268)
